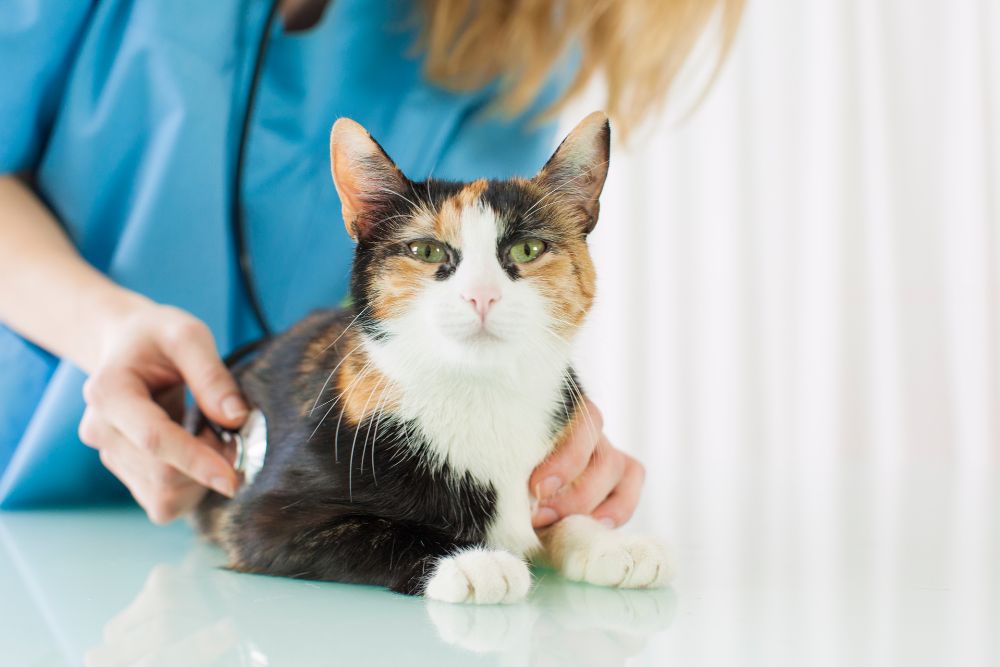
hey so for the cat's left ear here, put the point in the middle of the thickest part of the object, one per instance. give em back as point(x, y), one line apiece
point(577, 170)
point(366, 178)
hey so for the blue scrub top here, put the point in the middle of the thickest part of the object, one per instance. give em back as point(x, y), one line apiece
point(127, 114)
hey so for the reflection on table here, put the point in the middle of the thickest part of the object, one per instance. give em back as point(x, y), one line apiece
point(185, 609)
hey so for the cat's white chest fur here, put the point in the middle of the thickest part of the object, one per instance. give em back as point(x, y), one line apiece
point(481, 389)
point(496, 434)
point(497, 429)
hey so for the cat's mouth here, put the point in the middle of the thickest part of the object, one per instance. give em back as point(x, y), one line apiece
point(484, 335)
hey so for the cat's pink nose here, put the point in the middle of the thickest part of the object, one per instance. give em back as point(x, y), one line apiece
point(482, 299)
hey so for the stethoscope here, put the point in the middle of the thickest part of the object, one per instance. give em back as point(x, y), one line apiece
point(237, 222)
point(250, 441)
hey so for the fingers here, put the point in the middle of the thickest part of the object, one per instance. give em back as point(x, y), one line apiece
point(586, 492)
point(573, 455)
point(113, 449)
point(163, 493)
point(620, 505)
point(123, 401)
point(586, 475)
point(190, 345)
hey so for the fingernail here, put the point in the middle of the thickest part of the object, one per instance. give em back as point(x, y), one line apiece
point(607, 522)
point(234, 408)
point(549, 486)
point(224, 486)
point(546, 515)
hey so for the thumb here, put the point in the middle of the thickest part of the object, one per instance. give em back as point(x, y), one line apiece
point(214, 389)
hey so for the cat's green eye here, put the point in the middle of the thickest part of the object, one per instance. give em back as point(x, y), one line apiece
point(527, 250)
point(428, 251)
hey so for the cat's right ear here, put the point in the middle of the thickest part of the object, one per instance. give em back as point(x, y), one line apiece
point(365, 177)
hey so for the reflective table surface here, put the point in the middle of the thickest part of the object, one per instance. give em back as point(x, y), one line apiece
point(783, 571)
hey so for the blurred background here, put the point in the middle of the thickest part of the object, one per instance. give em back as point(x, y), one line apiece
point(798, 331)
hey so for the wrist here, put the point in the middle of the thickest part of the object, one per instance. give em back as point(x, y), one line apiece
point(107, 311)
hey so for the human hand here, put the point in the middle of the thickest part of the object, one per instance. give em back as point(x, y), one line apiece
point(135, 397)
point(586, 475)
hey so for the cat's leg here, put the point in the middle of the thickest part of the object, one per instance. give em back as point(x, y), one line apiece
point(583, 549)
point(353, 549)
point(371, 550)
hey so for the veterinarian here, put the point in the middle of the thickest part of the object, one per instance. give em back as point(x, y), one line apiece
point(149, 150)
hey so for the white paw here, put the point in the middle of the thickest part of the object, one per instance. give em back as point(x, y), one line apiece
point(480, 577)
point(611, 559)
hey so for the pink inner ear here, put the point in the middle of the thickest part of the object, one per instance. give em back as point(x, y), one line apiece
point(362, 172)
point(350, 186)
point(346, 187)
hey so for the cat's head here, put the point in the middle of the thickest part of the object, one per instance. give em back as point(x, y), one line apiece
point(481, 273)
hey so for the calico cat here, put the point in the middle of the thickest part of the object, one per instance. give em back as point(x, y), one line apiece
point(401, 432)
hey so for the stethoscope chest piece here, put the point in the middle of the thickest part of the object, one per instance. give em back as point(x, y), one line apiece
point(251, 445)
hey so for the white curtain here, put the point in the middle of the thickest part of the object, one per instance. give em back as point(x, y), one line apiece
point(798, 331)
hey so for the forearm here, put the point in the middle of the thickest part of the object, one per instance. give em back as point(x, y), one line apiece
point(51, 295)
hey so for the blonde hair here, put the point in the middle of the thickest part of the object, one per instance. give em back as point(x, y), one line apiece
point(637, 46)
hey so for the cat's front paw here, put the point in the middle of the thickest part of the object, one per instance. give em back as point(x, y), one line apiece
point(583, 550)
point(479, 576)
point(638, 562)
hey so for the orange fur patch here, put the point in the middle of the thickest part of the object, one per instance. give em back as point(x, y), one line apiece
point(566, 277)
point(448, 222)
point(399, 284)
point(363, 389)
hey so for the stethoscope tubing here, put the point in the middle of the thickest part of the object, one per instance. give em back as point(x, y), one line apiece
point(237, 220)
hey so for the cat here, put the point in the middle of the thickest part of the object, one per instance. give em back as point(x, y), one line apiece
point(402, 430)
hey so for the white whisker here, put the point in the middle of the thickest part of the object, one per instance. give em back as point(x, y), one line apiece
point(401, 196)
point(379, 410)
point(354, 442)
point(330, 377)
point(343, 399)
